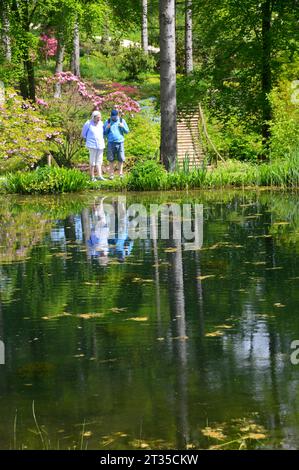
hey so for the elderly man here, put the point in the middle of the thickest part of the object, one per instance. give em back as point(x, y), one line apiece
point(93, 133)
point(114, 128)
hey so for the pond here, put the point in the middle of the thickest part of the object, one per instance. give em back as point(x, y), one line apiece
point(116, 342)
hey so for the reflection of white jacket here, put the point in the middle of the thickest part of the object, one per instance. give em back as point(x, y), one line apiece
point(102, 234)
point(94, 135)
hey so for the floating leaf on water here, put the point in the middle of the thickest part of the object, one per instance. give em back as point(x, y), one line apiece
point(214, 433)
point(279, 305)
point(260, 236)
point(118, 309)
point(281, 223)
point(138, 318)
point(181, 338)
point(79, 355)
point(139, 444)
point(202, 278)
point(87, 316)
point(225, 327)
point(104, 361)
point(170, 250)
point(274, 269)
point(87, 434)
point(161, 339)
point(214, 333)
point(190, 446)
point(255, 436)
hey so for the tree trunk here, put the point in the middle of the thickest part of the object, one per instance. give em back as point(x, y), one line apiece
point(188, 38)
point(59, 66)
point(168, 146)
point(75, 64)
point(5, 30)
point(144, 29)
point(31, 77)
point(27, 82)
point(266, 70)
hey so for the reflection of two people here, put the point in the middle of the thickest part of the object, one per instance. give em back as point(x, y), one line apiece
point(98, 240)
point(104, 240)
point(120, 246)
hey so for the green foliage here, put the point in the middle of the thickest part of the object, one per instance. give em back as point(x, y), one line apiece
point(135, 62)
point(285, 104)
point(146, 176)
point(151, 176)
point(47, 180)
point(69, 112)
point(25, 135)
point(97, 66)
point(143, 141)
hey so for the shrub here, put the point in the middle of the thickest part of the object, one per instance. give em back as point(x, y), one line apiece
point(47, 180)
point(284, 127)
point(143, 141)
point(72, 109)
point(25, 136)
point(135, 62)
point(149, 175)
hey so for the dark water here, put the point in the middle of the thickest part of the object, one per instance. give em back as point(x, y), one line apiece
point(113, 343)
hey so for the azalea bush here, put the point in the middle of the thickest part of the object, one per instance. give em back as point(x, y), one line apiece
point(26, 136)
point(69, 111)
point(48, 46)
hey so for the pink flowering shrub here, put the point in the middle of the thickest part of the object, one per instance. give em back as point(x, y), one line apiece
point(48, 46)
point(70, 111)
point(25, 135)
point(130, 90)
point(104, 102)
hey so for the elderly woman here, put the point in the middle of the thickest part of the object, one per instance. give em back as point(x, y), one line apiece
point(93, 133)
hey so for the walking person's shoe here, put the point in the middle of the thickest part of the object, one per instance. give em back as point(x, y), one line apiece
point(121, 175)
point(111, 177)
point(101, 178)
point(93, 179)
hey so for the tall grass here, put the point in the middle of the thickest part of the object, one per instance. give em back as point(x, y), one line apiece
point(47, 181)
point(282, 173)
point(151, 176)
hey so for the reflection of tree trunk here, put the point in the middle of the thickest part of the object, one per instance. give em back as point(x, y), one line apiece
point(6, 30)
point(199, 293)
point(59, 66)
point(273, 373)
point(70, 229)
point(85, 221)
point(157, 274)
point(178, 323)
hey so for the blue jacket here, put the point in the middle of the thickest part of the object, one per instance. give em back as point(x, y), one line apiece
point(115, 133)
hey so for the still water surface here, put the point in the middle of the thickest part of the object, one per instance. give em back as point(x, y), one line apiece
point(115, 343)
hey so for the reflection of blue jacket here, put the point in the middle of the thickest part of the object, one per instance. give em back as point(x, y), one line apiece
point(121, 247)
point(115, 133)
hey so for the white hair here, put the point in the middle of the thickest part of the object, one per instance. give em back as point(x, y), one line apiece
point(95, 113)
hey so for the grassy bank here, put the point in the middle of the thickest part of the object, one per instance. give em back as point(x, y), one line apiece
point(151, 176)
